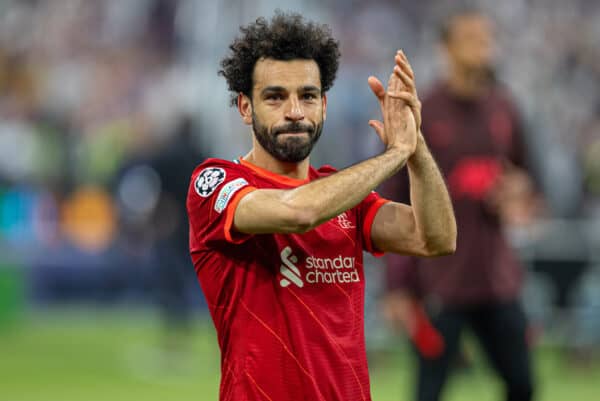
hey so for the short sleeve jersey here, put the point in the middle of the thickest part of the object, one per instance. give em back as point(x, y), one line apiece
point(288, 308)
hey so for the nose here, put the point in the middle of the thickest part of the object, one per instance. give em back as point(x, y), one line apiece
point(294, 111)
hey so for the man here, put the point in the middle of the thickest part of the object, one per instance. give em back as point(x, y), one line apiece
point(277, 245)
point(474, 132)
point(158, 225)
point(172, 274)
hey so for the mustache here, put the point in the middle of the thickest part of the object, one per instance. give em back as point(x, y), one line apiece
point(293, 128)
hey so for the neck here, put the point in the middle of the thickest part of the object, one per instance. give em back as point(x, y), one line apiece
point(468, 83)
point(261, 158)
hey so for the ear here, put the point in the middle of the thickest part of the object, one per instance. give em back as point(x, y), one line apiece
point(324, 100)
point(244, 105)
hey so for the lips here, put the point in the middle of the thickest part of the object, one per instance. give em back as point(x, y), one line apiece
point(293, 133)
point(293, 130)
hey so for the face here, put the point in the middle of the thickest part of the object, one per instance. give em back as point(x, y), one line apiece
point(471, 42)
point(287, 109)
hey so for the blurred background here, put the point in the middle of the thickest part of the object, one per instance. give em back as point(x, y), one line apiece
point(106, 107)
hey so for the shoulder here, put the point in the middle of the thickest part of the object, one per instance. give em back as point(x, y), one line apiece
point(219, 168)
point(213, 172)
point(214, 163)
point(503, 101)
point(502, 94)
point(324, 171)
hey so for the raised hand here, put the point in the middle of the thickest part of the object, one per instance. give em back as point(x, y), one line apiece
point(400, 107)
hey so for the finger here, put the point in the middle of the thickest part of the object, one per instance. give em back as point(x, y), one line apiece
point(408, 97)
point(394, 84)
point(378, 90)
point(411, 101)
point(377, 87)
point(406, 79)
point(379, 129)
point(402, 62)
point(377, 126)
point(406, 64)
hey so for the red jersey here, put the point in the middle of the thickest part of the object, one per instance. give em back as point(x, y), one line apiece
point(288, 308)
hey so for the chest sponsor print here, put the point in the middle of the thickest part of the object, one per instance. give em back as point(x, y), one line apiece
point(313, 270)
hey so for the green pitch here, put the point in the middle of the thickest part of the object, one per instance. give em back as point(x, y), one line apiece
point(116, 356)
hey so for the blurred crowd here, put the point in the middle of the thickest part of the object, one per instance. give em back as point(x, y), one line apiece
point(91, 89)
point(84, 87)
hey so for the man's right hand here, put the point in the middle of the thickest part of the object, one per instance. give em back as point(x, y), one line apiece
point(400, 107)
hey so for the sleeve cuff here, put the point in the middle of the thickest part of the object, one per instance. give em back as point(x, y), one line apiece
point(368, 225)
point(231, 235)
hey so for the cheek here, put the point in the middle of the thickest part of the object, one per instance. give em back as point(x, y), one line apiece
point(315, 112)
point(270, 115)
point(264, 119)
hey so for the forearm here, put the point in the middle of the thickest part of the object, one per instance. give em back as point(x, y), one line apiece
point(305, 207)
point(329, 196)
point(431, 204)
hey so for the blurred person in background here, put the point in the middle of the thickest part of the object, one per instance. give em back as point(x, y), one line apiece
point(153, 191)
point(278, 245)
point(174, 163)
point(474, 130)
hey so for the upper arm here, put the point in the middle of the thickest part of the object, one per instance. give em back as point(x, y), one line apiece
point(395, 230)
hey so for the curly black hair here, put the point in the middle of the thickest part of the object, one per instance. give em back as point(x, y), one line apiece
point(285, 37)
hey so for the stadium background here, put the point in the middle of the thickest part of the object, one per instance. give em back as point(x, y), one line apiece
point(88, 86)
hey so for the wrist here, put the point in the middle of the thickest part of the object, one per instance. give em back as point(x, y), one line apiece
point(420, 150)
point(399, 152)
point(421, 160)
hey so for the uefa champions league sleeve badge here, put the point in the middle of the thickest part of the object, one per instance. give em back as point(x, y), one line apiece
point(208, 180)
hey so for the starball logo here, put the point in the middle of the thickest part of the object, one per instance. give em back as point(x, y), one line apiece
point(318, 270)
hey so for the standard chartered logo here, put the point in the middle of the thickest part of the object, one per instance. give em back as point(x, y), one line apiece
point(318, 270)
point(288, 269)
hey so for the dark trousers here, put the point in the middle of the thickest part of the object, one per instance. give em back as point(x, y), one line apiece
point(501, 330)
point(173, 276)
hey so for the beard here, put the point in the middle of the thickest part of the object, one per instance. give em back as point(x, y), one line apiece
point(290, 149)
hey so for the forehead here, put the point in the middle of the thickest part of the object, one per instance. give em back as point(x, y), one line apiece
point(290, 73)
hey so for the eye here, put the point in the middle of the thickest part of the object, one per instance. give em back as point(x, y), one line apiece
point(309, 96)
point(275, 97)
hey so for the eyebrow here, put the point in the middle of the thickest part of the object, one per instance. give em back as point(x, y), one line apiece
point(311, 88)
point(273, 89)
point(279, 89)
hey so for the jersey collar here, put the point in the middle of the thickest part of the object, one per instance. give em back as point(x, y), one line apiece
point(281, 179)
